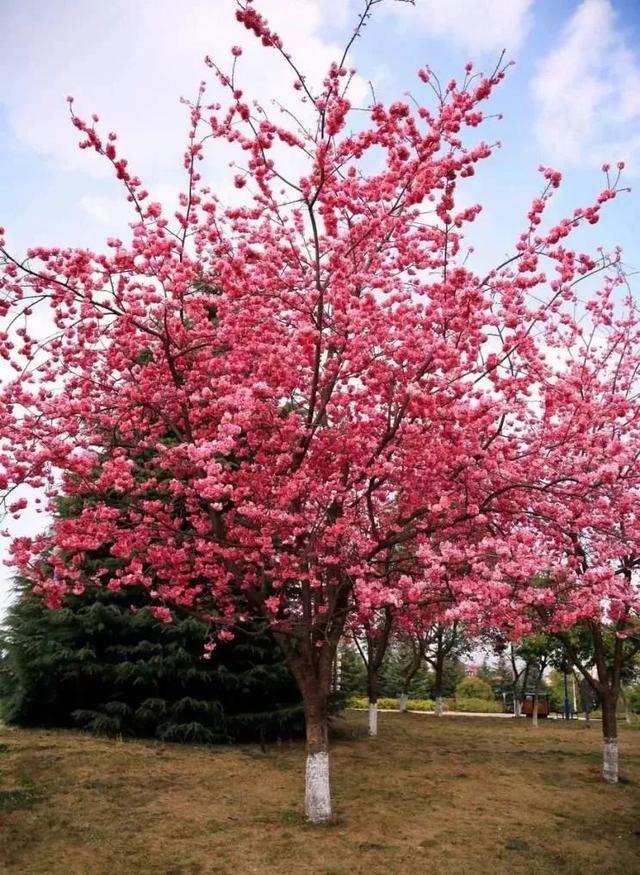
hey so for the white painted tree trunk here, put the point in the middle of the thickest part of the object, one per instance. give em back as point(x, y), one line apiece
point(373, 718)
point(403, 702)
point(517, 708)
point(438, 710)
point(610, 760)
point(317, 797)
point(534, 716)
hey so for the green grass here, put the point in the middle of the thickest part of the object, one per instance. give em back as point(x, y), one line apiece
point(481, 796)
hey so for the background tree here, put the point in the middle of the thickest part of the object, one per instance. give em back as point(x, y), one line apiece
point(605, 653)
point(517, 671)
point(589, 534)
point(372, 640)
point(353, 675)
point(443, 644)
point(498, 675)
point(408, 660)
point(474, 688)
point(536, 651)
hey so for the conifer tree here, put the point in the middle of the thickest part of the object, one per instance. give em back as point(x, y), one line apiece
point(99, 665)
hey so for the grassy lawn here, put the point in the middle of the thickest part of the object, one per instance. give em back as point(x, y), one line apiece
point(470, 795)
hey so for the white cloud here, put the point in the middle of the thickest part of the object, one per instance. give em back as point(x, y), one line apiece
point(131, 62)
point(478, 26)
point(587, 91)
point(106, 209)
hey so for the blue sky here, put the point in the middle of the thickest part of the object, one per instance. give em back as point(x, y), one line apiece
point(571, 101)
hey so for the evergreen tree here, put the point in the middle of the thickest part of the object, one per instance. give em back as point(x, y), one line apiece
point(499, 676)
point(98, 664)
point(393, 676)
point(353, 675)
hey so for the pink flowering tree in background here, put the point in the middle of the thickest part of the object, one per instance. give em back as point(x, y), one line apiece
point(265, 408)
point(387, 609)
point(372, 637)
point(589, 427)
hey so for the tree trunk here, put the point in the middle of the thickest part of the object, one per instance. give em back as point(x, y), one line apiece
point(310, 649)
point(439, 671)
point(404, 698)
point(534, 716)
point(312, 669)
point(373, 719)
point(317, 798)
point(372, 689)
point(607, 687)
point(609, 678)
point(517, 704)
point(609, 738)
point(516, 701)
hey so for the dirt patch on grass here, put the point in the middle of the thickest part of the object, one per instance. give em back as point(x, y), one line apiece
point(481, 796)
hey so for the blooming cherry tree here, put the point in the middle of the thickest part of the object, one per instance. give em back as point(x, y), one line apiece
point(589, 428)
point(269, 407)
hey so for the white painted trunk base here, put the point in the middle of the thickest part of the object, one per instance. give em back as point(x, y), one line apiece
point(317, 798)
point(373, 718)
point(403, 702)
point(439, 709)
point(610, 760)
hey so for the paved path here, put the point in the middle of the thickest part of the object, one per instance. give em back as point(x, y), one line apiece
point(433, 714)
point(463, 714)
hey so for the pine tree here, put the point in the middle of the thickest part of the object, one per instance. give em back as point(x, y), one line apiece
point(99, 665)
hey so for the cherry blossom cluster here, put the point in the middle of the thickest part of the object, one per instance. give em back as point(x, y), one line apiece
point(307, 404)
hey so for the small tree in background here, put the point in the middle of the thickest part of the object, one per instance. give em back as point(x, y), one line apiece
point(499, 676)
point(353, 674)
point(474, 688)
point(606, 655)
point(443, 644)
point(371, 639)
point(408, 660)
point(536, 651)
